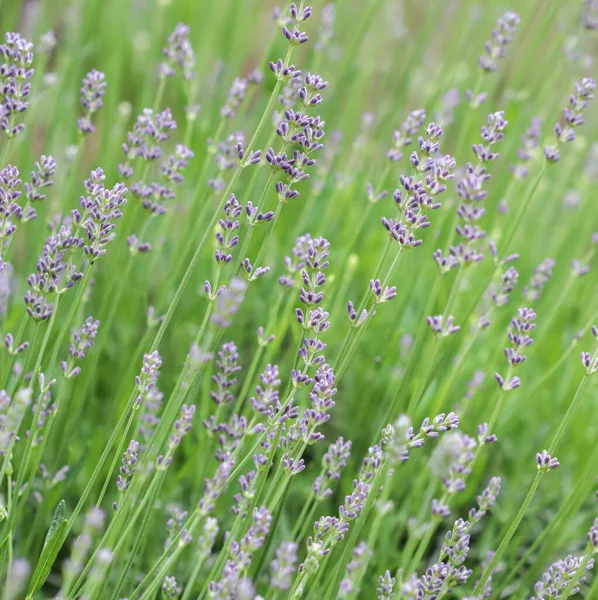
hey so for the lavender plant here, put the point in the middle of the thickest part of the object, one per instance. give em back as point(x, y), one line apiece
point(230, 369)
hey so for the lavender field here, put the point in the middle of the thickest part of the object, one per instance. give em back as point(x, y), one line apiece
point(298, 301)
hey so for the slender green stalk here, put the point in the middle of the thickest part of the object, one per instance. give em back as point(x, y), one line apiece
point(569, 413)
point(119, 446)
point(141, 533)
point(509, 535)
point(569, 507)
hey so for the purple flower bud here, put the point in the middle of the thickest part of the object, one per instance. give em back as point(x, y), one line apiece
point(545, 462)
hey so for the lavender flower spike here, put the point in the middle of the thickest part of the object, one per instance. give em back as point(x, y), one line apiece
point(41, 177)
point(386, 584)
point(17, 53)
point(179, 54)
point(81, 342)
point(283, 566)
point(92, 94)
point(127, 470)
point(572, 117)
point(519, 338)
point(501, 37)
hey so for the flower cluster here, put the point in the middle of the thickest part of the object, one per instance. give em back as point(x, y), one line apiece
point(92, 94)
point(100, 208)
point(294, 35)
point(144, 142)
point(149, 420)
point(501, 37)
point(170, 588)
point(405, 437)
point(314, 319)
point(181, 428)
point(530, 141)
point(334, 461)
point(41, 177)
point(82, 340)
point(450, 570)
point(541, 276)
point(545, 462)
point(455, 474)
point(556, 579)
point(572, 117)
point(155, 194)
point(9, 207)
point(349, 584)
point(9, 342)
point(255, 216)
point(15, 86)
point(499, 290)
point(225, 156)
point(215, 487)
point(470, 189)
point(226, 236)
point(54, 275)
point(506, 284)
point(228, 300)
point(303, 131)
point(226, 365)
point(241, 555)
point(329, 531)
point(267, 395)
point(321, 403)
point(521, 326)
point(296, 262)
point(442, 327)
point(403, 136)
point(386, 585)
point(420, 193)
point(127, 470)
point(238, 92)
point(206, 539)
point(146, 380)
point(178, 54)
point(283, 566)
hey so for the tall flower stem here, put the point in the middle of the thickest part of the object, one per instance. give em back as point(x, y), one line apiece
point(415, 399)
point(567, 509)
point(509, 535)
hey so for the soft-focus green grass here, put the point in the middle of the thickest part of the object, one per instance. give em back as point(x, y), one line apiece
point(387, 58)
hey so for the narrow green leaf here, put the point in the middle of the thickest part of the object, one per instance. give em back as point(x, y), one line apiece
point(56, 520)
point(56, 537)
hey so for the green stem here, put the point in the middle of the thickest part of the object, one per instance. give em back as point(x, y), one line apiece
point(119, 446)
point(517, 222)
point(570, 410)
point(510, 533)
point(141, 533)
point(309, 507)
